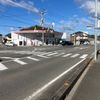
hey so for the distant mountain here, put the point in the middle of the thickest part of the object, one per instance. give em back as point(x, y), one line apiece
point(0, 34)
point(91, 36)
point(8, 35)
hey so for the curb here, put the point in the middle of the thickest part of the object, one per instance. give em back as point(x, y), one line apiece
point(68, 85)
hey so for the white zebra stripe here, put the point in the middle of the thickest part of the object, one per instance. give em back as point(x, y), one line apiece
point(52, 54)
point(20, 62)
point(2, 67)
point(75, 55)
point(84, 56)
point(67, 55)
point(33, 59)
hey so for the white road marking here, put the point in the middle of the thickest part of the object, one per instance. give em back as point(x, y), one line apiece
point(20, 62)
point(75, 55)
point(84, 56)
point(33, 59)
point(38, 53)
point(43, 56)
point(34, 94)
point(59, 54)
point(52, 54)
point(77, 84)
point(2, 67)
point(7, 57)
point(67, 55)
point(46, 53)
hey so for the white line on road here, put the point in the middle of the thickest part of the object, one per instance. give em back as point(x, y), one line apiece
point(20, 62)
point(45, 53)
point(2, 67)
point(52, 54)
point(67, 55)
point(38, 53)
point(84, 56)
point(75, 55)
point(59, 54)
point(42, 56)
point(33, 59)
point(34, 94)
point(7, 57)
point(77, 84)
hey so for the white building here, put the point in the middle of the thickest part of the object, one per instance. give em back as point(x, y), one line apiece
point(33, 37)
point(66, 36)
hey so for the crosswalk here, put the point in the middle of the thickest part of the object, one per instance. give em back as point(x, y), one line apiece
point(19, 61)
point(66, 55)
point(2, 67)
point(75, 55)
point(33, 59)
point(38, 56)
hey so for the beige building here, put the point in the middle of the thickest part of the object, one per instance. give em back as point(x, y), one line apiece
point(79, 37)
point(35, 36)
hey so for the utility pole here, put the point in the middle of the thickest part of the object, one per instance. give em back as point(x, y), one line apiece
point(42, 13)
point(96, 26)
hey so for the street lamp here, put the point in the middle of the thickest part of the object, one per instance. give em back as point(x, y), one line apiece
point(95, 29)
point(53, 24)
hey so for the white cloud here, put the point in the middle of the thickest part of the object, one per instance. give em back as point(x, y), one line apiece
point(22, 4)
point(89, 5)
point(74, 23)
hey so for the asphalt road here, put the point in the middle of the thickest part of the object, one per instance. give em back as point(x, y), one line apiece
point(37, 73)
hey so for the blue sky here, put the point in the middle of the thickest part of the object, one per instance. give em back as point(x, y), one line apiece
point(67, 15)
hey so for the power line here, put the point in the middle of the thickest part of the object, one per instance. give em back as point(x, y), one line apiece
point(10, 26)
point(14, 18)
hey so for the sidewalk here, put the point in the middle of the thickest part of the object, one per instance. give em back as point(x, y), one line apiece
point(89, 87)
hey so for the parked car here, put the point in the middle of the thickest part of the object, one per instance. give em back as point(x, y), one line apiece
point(63, 42)
point(86, 43)
point(10, 44)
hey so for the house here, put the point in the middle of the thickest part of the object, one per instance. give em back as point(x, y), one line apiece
point(79, 37)
point(35, 36)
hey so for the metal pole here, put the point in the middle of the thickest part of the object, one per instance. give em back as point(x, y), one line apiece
point(96, 25)
point(42, 13)
point(74, 39)
point(42, 24)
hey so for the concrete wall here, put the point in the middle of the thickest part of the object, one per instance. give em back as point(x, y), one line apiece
point(33, 39)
